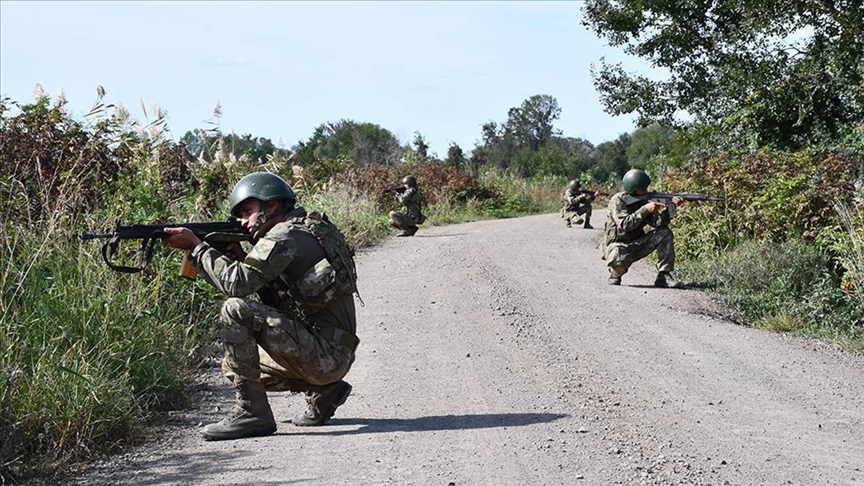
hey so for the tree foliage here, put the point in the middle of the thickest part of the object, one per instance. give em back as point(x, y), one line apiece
point(363, 143)
point(786, 73)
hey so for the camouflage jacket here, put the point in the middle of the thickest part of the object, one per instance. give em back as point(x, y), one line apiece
point(627, 218)
point(411, 201)
point(288, 265)
point(573, 198)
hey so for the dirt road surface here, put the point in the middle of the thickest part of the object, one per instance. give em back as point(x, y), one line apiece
point(494, 353)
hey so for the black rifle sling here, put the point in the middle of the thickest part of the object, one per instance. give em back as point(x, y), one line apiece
point(147, 246)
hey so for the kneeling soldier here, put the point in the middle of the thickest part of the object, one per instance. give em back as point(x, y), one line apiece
point(302, 335)
point(625, 239)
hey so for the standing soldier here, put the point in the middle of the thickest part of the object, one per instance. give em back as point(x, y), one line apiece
point(625, 239)
point(302, 335)
point(410, 216)
point(576, 203)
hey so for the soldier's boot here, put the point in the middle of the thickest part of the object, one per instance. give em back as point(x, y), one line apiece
point(588, 225)
point(569, 224)
point(413, 230)
point(615, 275)
point(665, 280)
point(249, 417)
point(323, 402)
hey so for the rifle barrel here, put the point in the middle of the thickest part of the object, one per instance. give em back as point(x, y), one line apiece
point(93, 236)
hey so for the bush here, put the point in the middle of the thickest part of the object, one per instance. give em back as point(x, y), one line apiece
point(774, 284)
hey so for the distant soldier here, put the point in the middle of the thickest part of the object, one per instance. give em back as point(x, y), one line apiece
point(576, 203)
point(410, 216)
point(625, 239)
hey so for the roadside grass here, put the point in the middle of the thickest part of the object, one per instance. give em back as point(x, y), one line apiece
point(87, 355)
point(783, 287)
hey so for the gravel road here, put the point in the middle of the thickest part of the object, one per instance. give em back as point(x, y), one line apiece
point(494, 353)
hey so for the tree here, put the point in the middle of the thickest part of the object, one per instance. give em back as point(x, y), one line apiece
point(610, 158)
point(647, 143)
point(362, 143)
point(531, 124)
point(455, 156)
point(422, 148)
point(785, 73)
point(528, 128)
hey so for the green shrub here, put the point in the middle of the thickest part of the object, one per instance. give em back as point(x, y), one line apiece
point(776, 283)
point(768, 195)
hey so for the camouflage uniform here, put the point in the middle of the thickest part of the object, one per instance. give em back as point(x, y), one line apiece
point(576, 203)
point(625, 239)
point(284, 344)
point(410, 217)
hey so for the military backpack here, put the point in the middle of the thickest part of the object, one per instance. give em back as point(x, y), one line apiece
point(332, 277)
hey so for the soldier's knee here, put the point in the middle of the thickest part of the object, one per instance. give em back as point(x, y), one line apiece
point(665, 233)
point(235, 309)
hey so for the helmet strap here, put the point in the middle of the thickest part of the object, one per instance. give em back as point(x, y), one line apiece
point(263, 217)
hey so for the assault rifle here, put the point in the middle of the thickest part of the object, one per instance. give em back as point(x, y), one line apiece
point(665, 198)
point(397, 189)
point(218, 235)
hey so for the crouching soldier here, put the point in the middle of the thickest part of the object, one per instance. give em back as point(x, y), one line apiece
point(410, 216)
point(577, 203)
point(302, 335)
point(625, 239)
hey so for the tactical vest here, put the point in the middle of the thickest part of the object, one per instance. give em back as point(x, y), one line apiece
point(332, 277)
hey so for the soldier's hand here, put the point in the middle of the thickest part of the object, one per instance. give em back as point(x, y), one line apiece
point(654, 206)
point(596, 193)
point(235, 252)
point(678, 201)
point(181, 238)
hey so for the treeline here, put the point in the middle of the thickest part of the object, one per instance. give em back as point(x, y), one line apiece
point(526, 144)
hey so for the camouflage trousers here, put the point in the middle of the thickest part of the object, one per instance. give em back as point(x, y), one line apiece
point(569, 213)
point(402, 221)
point(619, 256)
point(263, 344)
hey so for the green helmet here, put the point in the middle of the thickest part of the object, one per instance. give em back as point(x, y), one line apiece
point(263, 186)
point(634, 179)
point(574, 184)
point(410, 180)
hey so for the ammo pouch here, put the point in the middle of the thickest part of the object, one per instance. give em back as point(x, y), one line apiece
point(317, 279)
point(338, 336)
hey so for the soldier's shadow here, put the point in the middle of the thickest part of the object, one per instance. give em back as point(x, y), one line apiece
point(650, 286)
point(426, 235)
point(424, 424)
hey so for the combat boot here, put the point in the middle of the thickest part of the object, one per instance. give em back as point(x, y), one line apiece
point(614, 280)
point(249, 417)
point(588, 225)
point(665, 280)
point(569, 225)
point(323, 402)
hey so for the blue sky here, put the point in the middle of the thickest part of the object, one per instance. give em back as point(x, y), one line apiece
point(279, 69)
